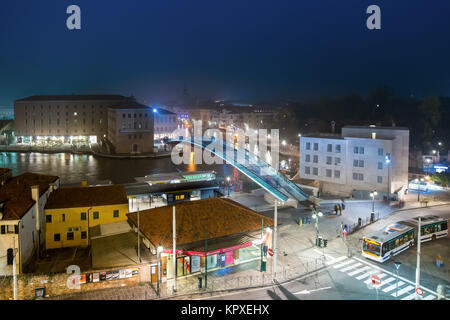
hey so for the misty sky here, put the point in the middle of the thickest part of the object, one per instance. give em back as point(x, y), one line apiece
point(234, 49)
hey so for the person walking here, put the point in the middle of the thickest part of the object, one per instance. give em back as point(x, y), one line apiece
point(439, 261)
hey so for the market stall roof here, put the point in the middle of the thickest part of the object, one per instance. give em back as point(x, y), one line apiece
point(223, 219)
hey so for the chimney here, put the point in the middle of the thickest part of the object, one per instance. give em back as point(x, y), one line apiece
point(35, 197)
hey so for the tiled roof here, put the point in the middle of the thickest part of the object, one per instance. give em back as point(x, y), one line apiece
point(221, 217)
point(16, 194)
point(87, 197)
point(74, 97)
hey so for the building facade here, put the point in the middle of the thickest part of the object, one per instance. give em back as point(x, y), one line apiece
point(71, 213)
point(62, 118)
point(361, 160)
point(130, 127)
point(166, 122)
point(22, 227)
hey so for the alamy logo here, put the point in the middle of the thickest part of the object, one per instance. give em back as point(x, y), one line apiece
point(73, 22)
point(374, 20)
point(73, 281)
point(210, 147)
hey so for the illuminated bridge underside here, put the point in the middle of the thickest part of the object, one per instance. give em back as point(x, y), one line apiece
point(257, 170)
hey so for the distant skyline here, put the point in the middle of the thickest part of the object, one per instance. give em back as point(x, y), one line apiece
point(233, 50)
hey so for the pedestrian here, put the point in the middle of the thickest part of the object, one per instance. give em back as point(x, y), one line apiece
point(336, 209)
point(439, 261)
point(343, 205)
point(340, 209)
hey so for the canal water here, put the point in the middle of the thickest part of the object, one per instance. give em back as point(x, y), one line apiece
point(72, 169)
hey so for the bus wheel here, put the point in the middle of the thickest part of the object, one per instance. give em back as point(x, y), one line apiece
point(433, 237)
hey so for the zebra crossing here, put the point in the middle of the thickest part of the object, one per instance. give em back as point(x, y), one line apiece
point(403, 290)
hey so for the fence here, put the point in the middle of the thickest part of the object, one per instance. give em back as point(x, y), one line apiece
point(362, 223)
point(246, 280)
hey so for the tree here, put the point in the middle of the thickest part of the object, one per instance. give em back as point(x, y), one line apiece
point(442, 178)
point(431, 116)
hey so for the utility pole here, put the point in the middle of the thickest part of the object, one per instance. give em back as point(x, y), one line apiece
point(139, 238)
point(15, 270)
point(206, 257)
point(274, 241)
point(174, 251)
point(418, 258)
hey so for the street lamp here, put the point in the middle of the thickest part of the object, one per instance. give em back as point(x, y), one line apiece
point(228, 180)
point(373, 195)
point(158, 252)
point(316, 216)
point(388, 162)
point(397, 266)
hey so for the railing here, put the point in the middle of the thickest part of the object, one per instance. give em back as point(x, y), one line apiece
point(256, 279)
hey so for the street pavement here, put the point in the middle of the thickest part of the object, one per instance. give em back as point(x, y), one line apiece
point(346, 274)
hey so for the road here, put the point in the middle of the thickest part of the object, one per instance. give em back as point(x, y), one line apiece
point(349, 278)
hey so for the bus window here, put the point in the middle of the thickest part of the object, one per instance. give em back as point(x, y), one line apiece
point(371, 247)
point(444, 226)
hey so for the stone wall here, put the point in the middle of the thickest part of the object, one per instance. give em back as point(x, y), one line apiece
point(56, 284)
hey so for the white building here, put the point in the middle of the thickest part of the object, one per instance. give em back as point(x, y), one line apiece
point(22, 226)
point(166, 123)
point(359, 161)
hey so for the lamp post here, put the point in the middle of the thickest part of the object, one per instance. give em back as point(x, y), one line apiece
point(397, 266)
point(228, 180)
point(373, 195)
point(316, 216)
point(158, 252)
point(388, 162)
point(418, 187)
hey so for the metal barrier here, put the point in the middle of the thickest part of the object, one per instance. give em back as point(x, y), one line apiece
point(255, 279)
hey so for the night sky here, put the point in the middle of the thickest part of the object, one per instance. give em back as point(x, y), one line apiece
point(233, 49)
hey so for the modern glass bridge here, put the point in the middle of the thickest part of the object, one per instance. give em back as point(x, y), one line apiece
point(253, 167)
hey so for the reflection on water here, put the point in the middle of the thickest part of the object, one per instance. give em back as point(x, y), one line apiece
point(74, 168)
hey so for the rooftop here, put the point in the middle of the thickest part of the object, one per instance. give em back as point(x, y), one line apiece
point(219, 216)
point(16, 194)
point(164, 111)
point(87, 197)
point(129, 104)
point(74, 97)
point(375, 127)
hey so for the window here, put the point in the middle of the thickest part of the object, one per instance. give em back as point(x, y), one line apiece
point(361, 163)
point(83, 234)
point(316, 159)
point(355, 176)
point(83, 216)
point(380, 165)
point(316, 146)
point(329, 148)
point(337, 161)
point(3, 230)
point(361, 176)
point(329, 160)
point(116, 213)
point(328, 173)
point(380, 179)
point(62, 217)
point(338, 148)
point(48, 218)
point(96, 215)
point(308, 146)
point(355, 150)
point(380, 151)
point(361, 150)
point(69, 235)
point(337, 174)
point(57, 237)
point(308, 158)
point(315, 171)
point(307, 170)
point(355, 163)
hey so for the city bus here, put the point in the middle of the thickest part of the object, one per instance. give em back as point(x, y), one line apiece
point(432, 227)
point(400, 236)
point(389, 242)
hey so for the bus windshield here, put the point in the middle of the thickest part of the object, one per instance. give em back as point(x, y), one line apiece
point(371, 246)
